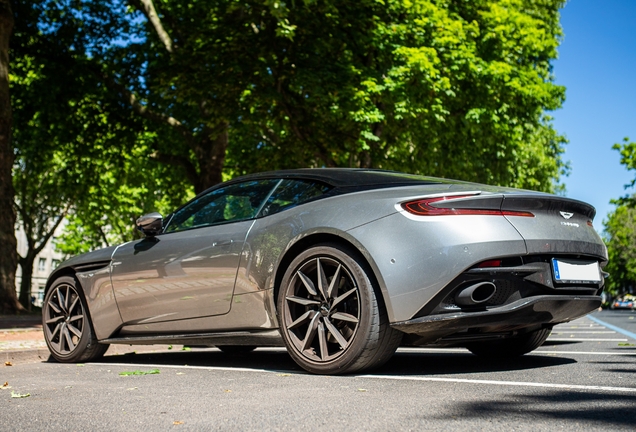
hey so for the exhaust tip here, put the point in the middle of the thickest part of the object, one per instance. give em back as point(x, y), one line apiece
point(475, 294)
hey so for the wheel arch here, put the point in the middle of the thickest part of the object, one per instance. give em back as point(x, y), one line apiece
point(344, 240)
point(58, 273)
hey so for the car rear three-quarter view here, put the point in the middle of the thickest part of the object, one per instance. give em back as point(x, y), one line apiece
point(340, 266)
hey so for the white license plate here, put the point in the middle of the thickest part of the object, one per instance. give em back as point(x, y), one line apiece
point(573, 271)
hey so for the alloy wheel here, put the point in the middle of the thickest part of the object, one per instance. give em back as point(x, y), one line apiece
point(64, 319)
point(322, 309)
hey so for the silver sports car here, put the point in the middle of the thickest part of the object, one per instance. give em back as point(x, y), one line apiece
point(340, 266)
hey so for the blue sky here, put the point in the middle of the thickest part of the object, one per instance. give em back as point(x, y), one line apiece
point(597, 65)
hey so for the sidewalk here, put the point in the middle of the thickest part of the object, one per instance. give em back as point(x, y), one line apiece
point(22, 341)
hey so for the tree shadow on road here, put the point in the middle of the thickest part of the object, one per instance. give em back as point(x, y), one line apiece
point(402, 363)
point(582, 408)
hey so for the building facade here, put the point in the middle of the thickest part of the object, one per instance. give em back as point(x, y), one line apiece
point(45, 262)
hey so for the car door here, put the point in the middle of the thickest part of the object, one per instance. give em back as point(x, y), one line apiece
point(190, 269)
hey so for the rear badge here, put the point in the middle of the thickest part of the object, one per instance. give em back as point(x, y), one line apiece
point(566, 215)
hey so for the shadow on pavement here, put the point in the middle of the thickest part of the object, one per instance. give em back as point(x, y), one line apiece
point(402, 363)
point(585, 409)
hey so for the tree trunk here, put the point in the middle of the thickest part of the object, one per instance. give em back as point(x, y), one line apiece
point(26, 265)
point(8, 244)
point(210, 155)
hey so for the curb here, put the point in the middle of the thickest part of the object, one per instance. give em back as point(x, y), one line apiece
point(43, 355)
point(24, 356)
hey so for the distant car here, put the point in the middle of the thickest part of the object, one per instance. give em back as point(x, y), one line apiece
point(341, 266)
point(626, 302)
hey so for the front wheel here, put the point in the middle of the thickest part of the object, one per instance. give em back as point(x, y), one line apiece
point(330, 318)
point(512, 347)
point(67, 327)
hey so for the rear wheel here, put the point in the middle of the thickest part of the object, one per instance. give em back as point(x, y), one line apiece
point(330, 318)
point(68, 331)
point(512, 347)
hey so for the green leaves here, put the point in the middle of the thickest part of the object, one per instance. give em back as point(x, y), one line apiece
point(139, 372)
point(134, 115)
point(620, 231)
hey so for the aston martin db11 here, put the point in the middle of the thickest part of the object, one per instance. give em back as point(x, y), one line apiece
point(340, 266)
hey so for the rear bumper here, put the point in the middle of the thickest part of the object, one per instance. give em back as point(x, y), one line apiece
point(537, 311)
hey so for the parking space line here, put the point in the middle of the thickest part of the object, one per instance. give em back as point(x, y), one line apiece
point(386, 377)
point(633, 353)
point(537, 351)
point(613, 327)
point(573, 339)
point(583, 332)
point(504, 383)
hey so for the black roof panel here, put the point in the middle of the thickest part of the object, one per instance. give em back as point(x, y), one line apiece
point(350, 177)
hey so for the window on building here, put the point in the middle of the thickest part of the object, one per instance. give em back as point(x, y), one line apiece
point(54, 264)
point(42, 264)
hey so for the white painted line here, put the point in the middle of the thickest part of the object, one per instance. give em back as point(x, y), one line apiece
point(503, 383)
point(385, 377)
point(537, 351)
point(572, 339)
point(633, 353)
point(582, 332)
point(211, 368)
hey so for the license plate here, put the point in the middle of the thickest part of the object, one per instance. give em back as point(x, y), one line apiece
point(576, 271)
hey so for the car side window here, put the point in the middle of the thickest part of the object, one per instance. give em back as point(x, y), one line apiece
point(232, 203)
point(290, 193)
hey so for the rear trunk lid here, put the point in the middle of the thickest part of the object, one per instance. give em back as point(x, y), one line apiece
point(560, 225)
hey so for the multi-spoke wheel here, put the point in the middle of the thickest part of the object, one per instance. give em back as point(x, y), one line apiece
point(67, 327)
point(330, 318)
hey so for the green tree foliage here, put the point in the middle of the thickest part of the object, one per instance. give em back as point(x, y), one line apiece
point(78, 153)
point(450, 88)
point(620, 238)
point(620, 231)
point(447, 88)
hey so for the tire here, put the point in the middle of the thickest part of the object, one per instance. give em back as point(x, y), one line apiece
point(329, 315)
point(513, 347)
point(68, 330)
point(236, 349)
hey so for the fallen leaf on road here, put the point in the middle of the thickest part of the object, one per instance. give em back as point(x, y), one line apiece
point(19, 395)
point(79, 365)
point(8, 364)
point(138, 372)
point(227, 391)
point(362, 390)
point(283, 374)
point(6, 383)
point(185, 348)
point(132, 388)
point(177, 422)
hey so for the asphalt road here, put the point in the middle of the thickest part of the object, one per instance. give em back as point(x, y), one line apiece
point(583, 377)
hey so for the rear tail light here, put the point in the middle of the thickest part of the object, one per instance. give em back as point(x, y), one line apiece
point(428, 207)
point(490, 263)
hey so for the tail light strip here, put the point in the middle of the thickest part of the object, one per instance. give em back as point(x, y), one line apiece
point(426, 207)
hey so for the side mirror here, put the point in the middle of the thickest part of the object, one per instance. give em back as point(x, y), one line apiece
point(150, 224)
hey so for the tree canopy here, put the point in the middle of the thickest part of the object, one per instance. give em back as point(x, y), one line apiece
point(136, 104)
point(620, 231)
